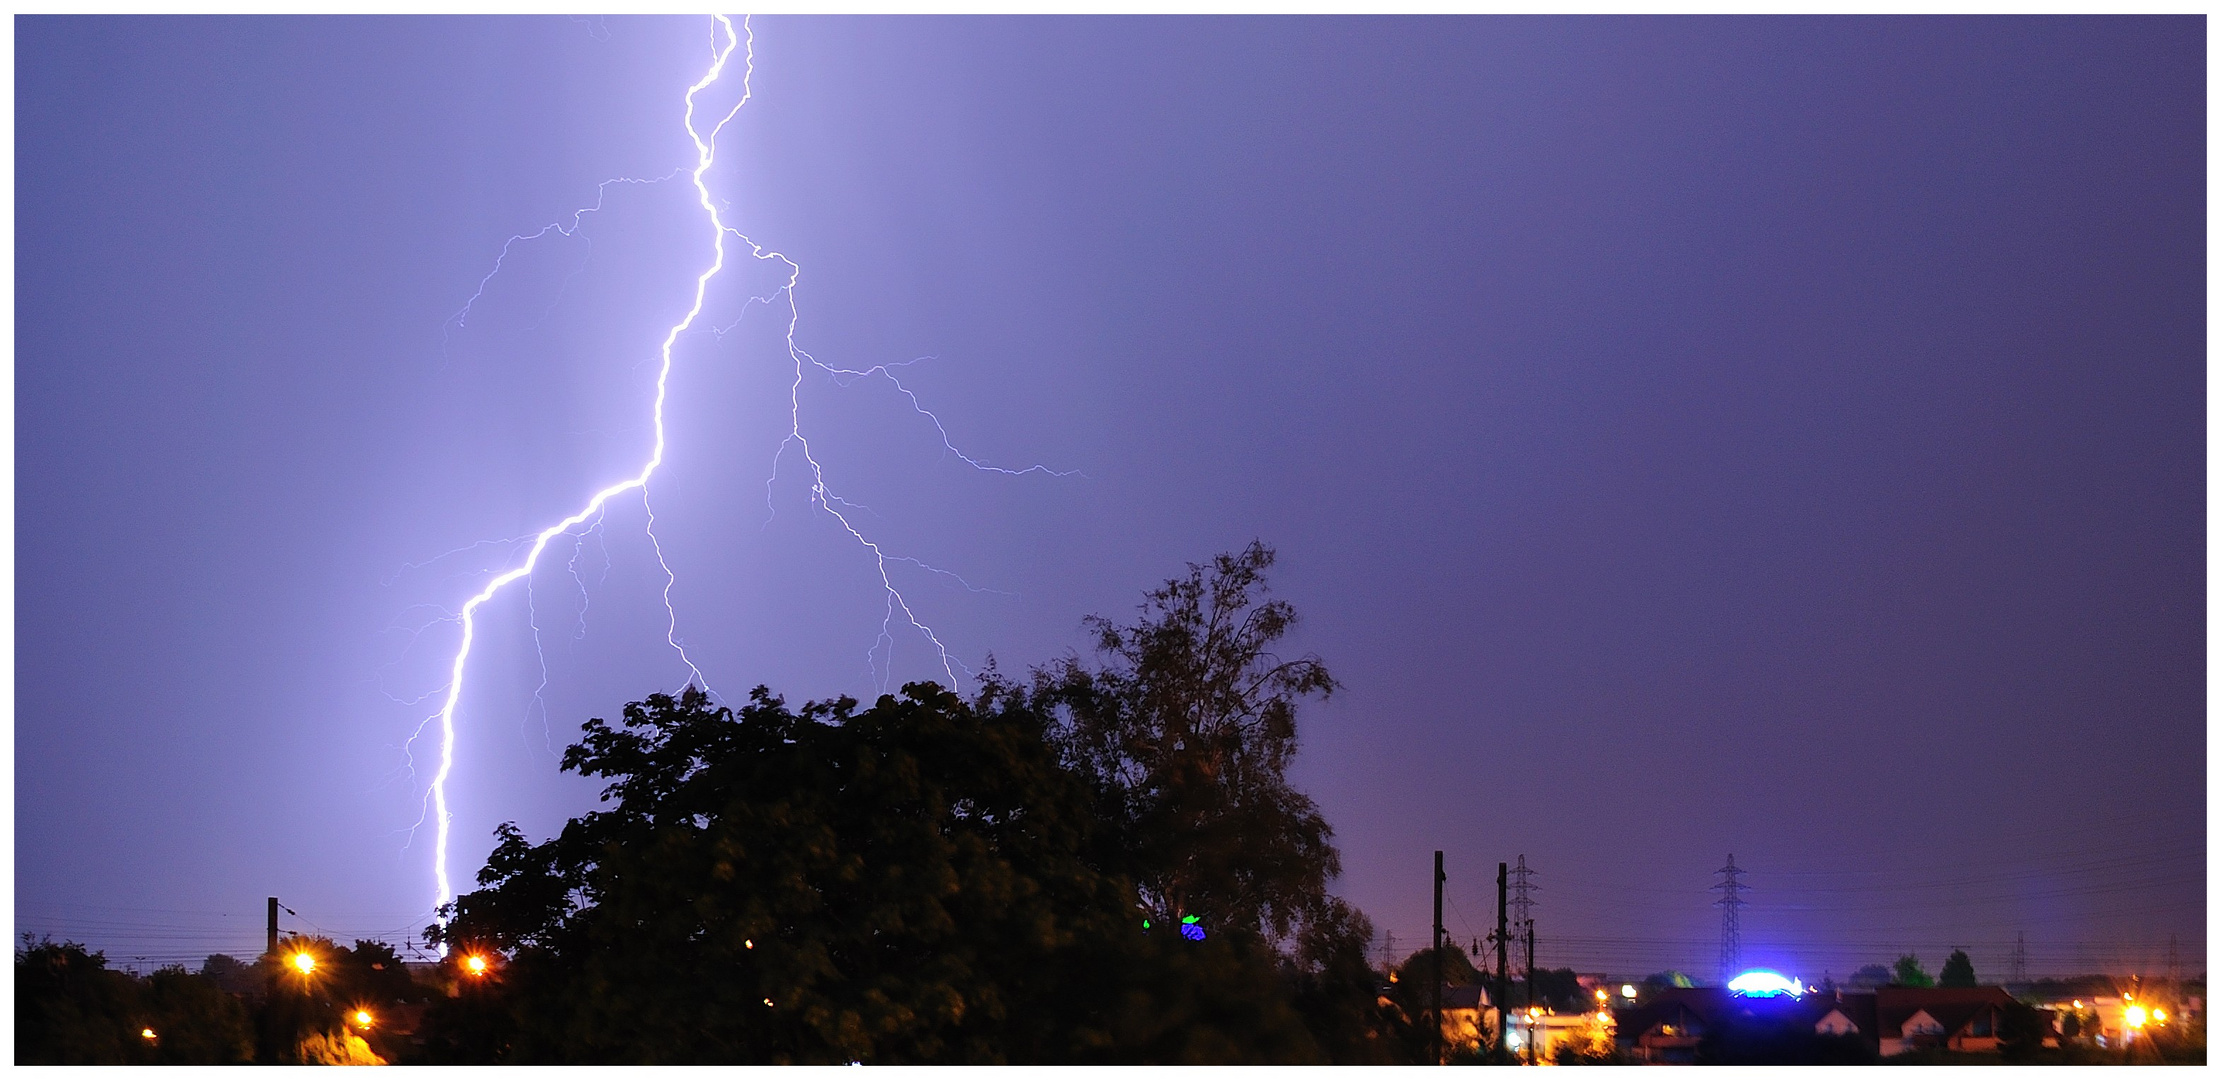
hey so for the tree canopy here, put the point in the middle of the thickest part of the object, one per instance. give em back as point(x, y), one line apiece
point(1958, 970)
point(71, 1009)
point(1186, 727)
point(1105, 863)
point(905, 883)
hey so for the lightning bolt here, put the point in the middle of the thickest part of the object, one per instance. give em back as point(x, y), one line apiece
point(898, 616)
point(879, 659)
point(705, 155)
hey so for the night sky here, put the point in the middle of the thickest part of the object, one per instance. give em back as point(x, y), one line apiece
point(1682, 437)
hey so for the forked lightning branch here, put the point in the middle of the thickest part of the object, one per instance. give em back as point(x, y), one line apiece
point(899, 615)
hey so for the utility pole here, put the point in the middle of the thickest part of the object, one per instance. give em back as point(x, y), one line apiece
point(1439, 878)
point(1503, 955)
point(273, 947)
point(1730, 888)
point(1531, 1049)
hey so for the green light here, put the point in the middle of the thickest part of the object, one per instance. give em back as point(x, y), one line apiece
point(1145, 924)
point(1187, 919)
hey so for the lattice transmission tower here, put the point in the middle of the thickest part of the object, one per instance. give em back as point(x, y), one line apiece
point(1730, 887)
point(2016, 969)
point(1523, 917)
point(1523, 902)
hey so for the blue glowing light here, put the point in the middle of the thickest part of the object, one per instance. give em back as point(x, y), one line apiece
point(1765, 984)
point(1188, 927)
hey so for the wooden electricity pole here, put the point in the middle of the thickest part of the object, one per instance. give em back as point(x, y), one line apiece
point(1533, 1051)
point(1503, 956)
point(1439, 878)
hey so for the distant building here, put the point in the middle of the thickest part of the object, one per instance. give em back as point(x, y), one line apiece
point(1668, 1027)
point(1467, 1018)
point(1964, 1018)
point(1665, 1028)
point(2093, 1009)
point(1547, 1032)
point(1848, 1013)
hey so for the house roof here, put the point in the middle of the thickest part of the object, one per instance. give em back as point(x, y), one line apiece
point(1878, 1015)
point(1464, 997)
point(1681, 1006)
point(1951, 1006)
point(1856, 1007)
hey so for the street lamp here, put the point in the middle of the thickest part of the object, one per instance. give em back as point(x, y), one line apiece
point(475, 964)
point(304, 963)
point(362, 1019)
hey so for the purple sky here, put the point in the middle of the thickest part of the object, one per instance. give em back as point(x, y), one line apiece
point(1682, 436)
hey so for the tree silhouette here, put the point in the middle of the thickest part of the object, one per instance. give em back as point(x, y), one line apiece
point(905, 883)
point(1186, 728)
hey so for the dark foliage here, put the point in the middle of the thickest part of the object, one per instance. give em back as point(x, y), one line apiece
point(1455, 969)
point(1581, 1053)
point(1106, 864)
point(908, 883)
point(228, 972)
point(822, 885)
point(1870, 976)
point(1958, 970)
point(1338, 992)
point(72, 1010)
point(307, 1017)
point(1409, 1018)
point(1185, 730)
point(1558, 990)
point(1778, 1035)
point(1788, 1046)
point(2021, 1031)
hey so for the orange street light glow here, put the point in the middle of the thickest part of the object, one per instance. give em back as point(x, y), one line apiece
point(147, 1034)
point(476, 964)
point(362, 1018)
point(2134, 1015)
point(305, 962)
